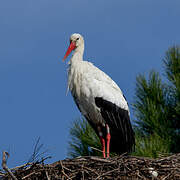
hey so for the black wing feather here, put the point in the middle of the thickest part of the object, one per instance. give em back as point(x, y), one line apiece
point(122, 135)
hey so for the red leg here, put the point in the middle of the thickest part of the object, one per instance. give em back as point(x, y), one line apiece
point(108, 137)
point(102, 140)
point(103, 146)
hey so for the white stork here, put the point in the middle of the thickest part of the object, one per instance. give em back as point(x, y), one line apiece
point(100, 100)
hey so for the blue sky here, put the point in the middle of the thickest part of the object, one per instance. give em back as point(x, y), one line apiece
point(122, 37)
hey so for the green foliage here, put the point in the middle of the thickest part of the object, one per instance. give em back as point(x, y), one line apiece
point(172, 66)
point(82, 138)
point(157, 109)
point(151, 106)
point(172, 69)
point(151, 146)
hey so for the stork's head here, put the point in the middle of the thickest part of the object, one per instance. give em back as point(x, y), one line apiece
point(76, 43)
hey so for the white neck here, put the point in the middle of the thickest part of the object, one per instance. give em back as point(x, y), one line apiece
point(78, 54)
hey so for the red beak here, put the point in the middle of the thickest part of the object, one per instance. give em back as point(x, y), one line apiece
point(71, 47)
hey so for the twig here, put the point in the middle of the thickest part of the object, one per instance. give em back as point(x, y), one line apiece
point(47, 176)
point(67, 168)
point(63, 170)
point(96, 149)
point(166, 176)
point(82, 171)
point(43, 159)
point(66, 175)
point(1, 174)
point(18, 167)
point(92, 170)
point(4, 161)
point(99, 159)
point(28, 175)
point(107, 173)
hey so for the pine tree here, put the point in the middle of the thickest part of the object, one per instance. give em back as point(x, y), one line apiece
point(172, 69)
point(156, 108)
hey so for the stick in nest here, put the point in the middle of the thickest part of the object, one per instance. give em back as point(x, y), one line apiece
point(4, 161)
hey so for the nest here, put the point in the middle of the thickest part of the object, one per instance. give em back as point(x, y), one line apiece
point(90, 167)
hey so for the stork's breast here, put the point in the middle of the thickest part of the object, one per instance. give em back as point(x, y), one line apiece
point(87, 104)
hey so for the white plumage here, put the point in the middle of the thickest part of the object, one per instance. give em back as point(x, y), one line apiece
point(86, 83)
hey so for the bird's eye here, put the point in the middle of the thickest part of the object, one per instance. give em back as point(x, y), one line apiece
point(77, 39)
